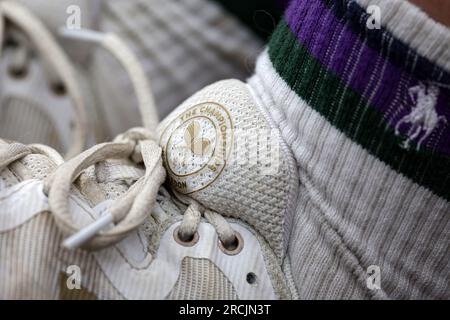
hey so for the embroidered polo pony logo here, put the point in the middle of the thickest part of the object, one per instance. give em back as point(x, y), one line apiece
point(423, 118)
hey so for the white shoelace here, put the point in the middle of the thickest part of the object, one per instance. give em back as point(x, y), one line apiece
point(191, 220)
point(127, 212)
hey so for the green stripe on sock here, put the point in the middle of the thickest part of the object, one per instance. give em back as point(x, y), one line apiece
point(328, 95)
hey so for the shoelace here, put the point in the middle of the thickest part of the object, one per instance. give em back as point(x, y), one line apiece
point(186, 234)
point(60, 70)
point(127, 212)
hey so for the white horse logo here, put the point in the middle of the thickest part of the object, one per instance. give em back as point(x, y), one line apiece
point(423, 118)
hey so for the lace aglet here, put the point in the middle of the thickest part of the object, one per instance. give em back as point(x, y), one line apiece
point(86, 35)
point(77, 239)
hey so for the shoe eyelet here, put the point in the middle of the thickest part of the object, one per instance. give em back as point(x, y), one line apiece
point(237, 248)
point(18, 73)
point(251, 278)
point(58, 89)
point(11, 43)
point(185, 243)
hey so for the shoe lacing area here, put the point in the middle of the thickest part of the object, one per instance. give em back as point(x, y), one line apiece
point(131, 209)
point(128, 211)
point(230, 241)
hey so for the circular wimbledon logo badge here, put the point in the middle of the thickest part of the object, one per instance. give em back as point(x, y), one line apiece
point(196, 146)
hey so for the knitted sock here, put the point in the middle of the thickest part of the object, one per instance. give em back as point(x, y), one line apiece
point(367, 115)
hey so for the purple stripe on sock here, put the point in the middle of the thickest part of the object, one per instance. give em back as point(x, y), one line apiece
point(363, 68)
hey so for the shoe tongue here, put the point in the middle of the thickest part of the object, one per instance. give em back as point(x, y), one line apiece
point(108, 180)
point(221, 149)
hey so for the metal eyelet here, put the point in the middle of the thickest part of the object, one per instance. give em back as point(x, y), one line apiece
point(18, 73)
point(251, 278)
point(11, 43)
point(58, 89)
point(238, 246)
point(189, 243)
